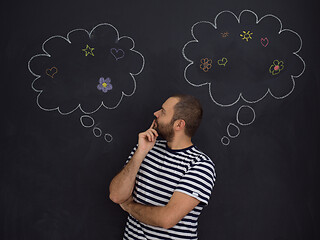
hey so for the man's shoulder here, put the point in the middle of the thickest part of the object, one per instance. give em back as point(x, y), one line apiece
point(201, 157)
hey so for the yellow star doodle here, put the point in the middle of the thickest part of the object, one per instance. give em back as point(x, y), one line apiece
point(88, 50)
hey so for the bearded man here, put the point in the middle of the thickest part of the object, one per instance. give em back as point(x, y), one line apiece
point(165, 184)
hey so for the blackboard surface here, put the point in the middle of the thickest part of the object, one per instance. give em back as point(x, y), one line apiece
point(60, 147)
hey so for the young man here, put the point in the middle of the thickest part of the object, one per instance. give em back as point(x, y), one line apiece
point(166, 183)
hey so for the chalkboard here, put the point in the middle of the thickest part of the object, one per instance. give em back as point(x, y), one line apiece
point(81, 79)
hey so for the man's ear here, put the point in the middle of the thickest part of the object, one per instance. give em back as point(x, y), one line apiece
point(179, 124)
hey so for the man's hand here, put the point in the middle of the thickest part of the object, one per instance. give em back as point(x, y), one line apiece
point(147, 139)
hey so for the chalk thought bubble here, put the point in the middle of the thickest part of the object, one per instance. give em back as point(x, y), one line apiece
point(85, 70)
point(243, 57)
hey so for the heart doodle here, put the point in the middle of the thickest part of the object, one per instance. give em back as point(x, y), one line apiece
point(264, 41)
point(117, 53)
point(51, 71)
point(223, 61)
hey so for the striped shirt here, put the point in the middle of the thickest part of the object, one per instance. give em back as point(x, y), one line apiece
point(162, 172)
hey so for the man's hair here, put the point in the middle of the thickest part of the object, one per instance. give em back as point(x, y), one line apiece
point(188, 109)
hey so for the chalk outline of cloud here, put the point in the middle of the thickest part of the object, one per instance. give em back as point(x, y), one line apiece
point(240, 95)
point(79, 105)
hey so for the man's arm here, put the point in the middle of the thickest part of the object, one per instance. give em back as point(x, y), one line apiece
point(167, 216)
point(122, 184)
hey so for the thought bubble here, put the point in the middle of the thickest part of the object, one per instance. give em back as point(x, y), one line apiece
point(85, 70)
point(245, 116)
point(243, 58)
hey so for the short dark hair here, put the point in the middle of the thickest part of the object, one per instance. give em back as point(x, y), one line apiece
point(188, 109)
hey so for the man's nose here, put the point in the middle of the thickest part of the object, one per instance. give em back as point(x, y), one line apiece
point(156, 114)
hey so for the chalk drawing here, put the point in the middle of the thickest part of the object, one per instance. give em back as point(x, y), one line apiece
point(206, 64)
point(85, 119)
point(51, 71)
point(108, 137)
point(117, 53)
point(88, 50)
point(243, 110)
point(104, 84)
point(224, 34)
point(213, 85)
point(276, 67)
point(264, 42)
point(97, 132)
point(246, 35)
point(235, 127)
point(38, 77)
point(227, 88)
point(77, 84)
point(223, 61)
point(225, 140)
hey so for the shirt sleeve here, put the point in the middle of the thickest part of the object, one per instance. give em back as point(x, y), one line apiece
point(131, 154)
point(198, 181)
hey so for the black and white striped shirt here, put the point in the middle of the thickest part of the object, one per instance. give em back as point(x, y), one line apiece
point(162, 172)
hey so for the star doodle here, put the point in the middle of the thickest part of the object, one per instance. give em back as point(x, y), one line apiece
point(88, 50)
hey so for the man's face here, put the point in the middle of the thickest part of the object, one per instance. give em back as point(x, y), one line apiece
point(164, 126)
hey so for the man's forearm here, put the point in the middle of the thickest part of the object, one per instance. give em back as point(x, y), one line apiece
point(122, 184)
point(167, 216)
point(151, 215)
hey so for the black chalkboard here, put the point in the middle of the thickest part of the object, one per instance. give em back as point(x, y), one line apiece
point(81, 79)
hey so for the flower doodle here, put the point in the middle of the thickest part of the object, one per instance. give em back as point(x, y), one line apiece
point(276, 67)
point(104, 84)
point(206, 64)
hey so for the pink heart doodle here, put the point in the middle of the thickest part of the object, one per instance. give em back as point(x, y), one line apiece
point(264, 41)
point(117, 53)
point(51, 71)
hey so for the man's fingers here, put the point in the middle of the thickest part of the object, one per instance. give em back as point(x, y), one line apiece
point(153, 124)
point(145, 135)
point(154, 132)
point(151, 134)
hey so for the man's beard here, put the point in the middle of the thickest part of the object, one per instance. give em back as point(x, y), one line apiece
point(165, 131)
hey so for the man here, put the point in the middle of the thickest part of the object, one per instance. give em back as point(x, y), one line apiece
point(166, 183)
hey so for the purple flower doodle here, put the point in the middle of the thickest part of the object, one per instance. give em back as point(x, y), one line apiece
point(104, 84)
